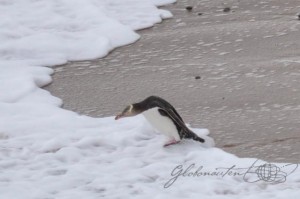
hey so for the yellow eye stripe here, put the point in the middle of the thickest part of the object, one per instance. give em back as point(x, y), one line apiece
point(130, 108)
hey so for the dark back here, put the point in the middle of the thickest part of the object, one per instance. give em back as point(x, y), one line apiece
point(154, 101)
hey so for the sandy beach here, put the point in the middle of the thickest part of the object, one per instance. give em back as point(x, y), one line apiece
point(236, 73)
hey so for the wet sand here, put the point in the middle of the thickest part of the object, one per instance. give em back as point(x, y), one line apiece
point(236, 73)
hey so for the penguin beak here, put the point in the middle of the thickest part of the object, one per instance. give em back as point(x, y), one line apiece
point(119, 116)
point(127, 112)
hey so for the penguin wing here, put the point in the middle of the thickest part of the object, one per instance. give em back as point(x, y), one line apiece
point(185, 131)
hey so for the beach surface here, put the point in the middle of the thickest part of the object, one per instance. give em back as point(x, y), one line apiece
point(234, 71)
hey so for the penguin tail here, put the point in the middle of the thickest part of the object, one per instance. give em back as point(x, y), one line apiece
point(199, 139)
point(194, 136)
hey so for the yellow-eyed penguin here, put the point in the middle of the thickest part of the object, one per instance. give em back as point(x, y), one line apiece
point(163, 117)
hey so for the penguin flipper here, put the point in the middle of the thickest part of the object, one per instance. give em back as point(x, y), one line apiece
point(185, 132)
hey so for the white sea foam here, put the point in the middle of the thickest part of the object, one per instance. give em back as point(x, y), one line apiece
point(48, 152)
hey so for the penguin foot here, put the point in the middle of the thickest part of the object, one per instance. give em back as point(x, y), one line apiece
point(171, 142)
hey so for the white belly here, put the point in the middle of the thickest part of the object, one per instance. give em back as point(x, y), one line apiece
point(161, 123)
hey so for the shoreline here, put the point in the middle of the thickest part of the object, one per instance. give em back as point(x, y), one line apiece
point(240, 95)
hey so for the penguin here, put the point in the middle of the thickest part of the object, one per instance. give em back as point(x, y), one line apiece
point(163, 117)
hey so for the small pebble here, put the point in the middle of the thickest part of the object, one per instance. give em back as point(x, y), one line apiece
point(197, 77)
point(227, 9)
point(200, 13)
point(189, 8)
point(299, 16)
point(223, 98)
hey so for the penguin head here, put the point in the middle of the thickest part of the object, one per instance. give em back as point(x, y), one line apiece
point(129, 111)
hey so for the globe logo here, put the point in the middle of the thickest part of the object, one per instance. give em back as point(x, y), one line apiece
point(270, 173)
